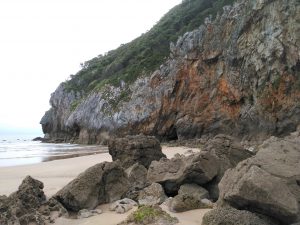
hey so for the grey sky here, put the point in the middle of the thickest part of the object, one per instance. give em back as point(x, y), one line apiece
point(42, 42)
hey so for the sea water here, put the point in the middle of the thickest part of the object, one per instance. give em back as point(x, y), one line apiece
point(21, 150)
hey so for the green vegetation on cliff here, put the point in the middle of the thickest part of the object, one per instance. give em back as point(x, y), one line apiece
point(144, 54)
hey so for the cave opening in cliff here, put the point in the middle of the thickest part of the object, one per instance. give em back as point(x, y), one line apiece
point(171, 135)
point(76, 130)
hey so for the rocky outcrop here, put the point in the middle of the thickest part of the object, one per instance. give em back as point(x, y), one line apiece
point(28, 205)
point(135, 149)
point(190, 196)
point(53, 122)
point(22, 206)
point(237, 74)
point(103, 183)
point(267, 183)
point(198, 168)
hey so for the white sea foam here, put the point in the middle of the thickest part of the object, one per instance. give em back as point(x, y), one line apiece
point(21, 150)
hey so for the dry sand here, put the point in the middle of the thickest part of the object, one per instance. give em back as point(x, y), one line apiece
point(56, 174)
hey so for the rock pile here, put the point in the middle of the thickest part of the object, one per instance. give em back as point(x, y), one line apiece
point(256, 189)
point(205, 168)
point(198, 168)
point(267, 183)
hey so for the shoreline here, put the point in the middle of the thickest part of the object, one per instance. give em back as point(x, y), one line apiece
point(58, 173)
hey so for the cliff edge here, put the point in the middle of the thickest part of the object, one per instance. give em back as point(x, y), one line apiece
point(237, 74)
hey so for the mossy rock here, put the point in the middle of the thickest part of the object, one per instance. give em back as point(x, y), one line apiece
point(149, 215)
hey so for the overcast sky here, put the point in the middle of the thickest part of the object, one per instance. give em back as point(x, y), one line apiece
point(42, 42)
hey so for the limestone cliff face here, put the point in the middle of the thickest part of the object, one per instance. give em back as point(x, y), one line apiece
point(238, 74)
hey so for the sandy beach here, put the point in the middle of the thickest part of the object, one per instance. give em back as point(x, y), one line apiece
point(56, 174)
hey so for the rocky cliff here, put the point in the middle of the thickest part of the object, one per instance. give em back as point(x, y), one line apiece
point(237, 74)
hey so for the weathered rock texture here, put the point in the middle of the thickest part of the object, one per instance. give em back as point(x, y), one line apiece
point(190, 196)
point(228, 153)
point(135, 149)
point(137, 175)
point(267, 183)
point(231, 216)
point(237, 74)
point(28, 205)
point(152, 195)
point(103, 183)
point(198, 168)
point(22, 206)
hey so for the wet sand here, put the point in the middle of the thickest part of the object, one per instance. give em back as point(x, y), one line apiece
point(56, 174)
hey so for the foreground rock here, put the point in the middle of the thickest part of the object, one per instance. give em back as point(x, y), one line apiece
point(149, 215)
point(231, 216)
point(22, 206)
point(190, 196)
point(135, 149)
point(228, 152)
point(103, 183)
point(198, 168)
point(267, 183)
point(28, 205)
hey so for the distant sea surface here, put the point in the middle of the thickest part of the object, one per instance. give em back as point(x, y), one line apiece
point(21, 150)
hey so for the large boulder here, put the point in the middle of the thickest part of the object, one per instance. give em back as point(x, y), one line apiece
point(24, 205)
point(257, 189)
point(267, 183)
point(135, 149)
point(190, 196)
point(232, 216)
point(228, 152)
point(103, 183)
point(198, 168)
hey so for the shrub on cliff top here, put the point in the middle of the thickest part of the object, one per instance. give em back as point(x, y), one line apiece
point(144, 54)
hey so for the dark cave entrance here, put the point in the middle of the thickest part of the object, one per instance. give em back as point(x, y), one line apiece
point(171, 134)
point(76, 130)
